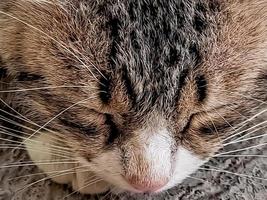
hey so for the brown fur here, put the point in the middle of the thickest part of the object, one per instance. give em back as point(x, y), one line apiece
point(44, 39)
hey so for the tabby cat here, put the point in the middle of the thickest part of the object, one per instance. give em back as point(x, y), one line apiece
point(131, 95)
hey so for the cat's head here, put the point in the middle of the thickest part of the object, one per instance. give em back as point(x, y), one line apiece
point(143, 94)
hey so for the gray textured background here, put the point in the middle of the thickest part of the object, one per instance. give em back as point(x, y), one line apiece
point(215, 185)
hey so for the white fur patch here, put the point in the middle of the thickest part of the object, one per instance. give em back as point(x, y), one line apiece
point(185, 164)
point(157, 151)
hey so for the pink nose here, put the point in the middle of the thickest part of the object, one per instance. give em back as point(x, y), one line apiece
point(148, 185)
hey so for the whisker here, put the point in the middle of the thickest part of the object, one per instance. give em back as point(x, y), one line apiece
point(15, 123)
point(238, 133)
point(4, 131)
point(46, 178)
point(91, 182)
point(38, 174)
point(224, 119)
point(242, 155)
point(198, 179)
point(41, 161)
point(14, 147)
point(59, 43)
point(23, 118)
point(253, 98)
point(248, 120)
point(233, 173)
point(33, 164)
point(243, 149)
point(15, 135)
point(48, 172)
point(14, 131)
point(54, 147)
point(213, 124)
point(245, 96)
point(55, 152)
point(106, 195)
point(249, 133)
point(43, 179)
point(247, 139)
point(234, 110)
point(60, 113)
point(44, 88)
point(33, 130)
point(36, 150)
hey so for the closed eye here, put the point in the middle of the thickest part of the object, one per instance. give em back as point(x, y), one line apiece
point(212, 128)
point(89, 129)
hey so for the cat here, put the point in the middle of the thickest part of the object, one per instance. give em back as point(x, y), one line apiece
point(132, 95)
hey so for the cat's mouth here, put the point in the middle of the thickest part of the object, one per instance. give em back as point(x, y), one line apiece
point(123, 186)
point(118, 183)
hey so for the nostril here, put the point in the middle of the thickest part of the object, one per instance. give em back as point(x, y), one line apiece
point(148, 185)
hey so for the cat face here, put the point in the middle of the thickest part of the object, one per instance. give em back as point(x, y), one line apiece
point(145, 94)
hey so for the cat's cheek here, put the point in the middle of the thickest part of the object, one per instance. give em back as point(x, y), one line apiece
point(186, 163)
point(44, 151)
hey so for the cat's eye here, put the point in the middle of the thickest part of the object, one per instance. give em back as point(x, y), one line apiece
point(214, 128)
point(89, 129)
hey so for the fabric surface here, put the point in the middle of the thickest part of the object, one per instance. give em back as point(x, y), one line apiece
point(28, 183)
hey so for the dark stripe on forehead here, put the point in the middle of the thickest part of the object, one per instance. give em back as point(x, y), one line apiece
point(128, 85)
point(154, 40)
point(194, 51)
point(215, 5)
point(200, 22)
point(182, 78)
point(201, 87)
point(114, 25)
point(105, 89)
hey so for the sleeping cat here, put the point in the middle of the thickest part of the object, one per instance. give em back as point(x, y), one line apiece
point(130, 95)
